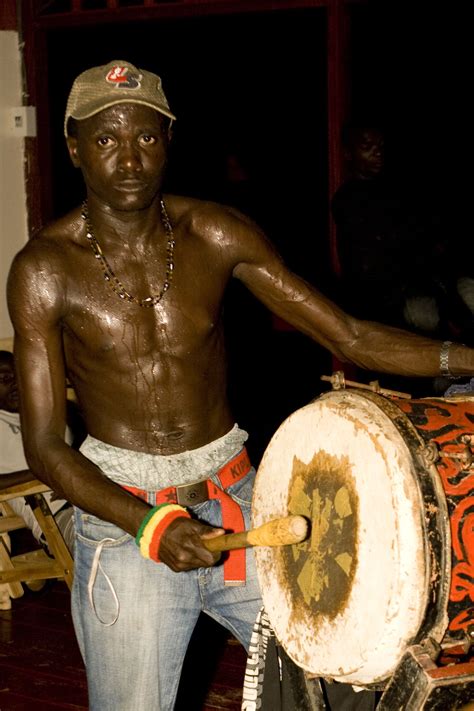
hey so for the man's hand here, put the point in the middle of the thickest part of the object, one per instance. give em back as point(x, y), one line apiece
point(181, 546)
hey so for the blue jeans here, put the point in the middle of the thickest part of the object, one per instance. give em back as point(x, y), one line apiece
point(135, 663)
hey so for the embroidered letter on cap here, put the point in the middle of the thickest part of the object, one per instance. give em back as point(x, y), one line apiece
point(121, 78)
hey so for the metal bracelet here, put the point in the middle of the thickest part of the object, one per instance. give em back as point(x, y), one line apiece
point(444, 359)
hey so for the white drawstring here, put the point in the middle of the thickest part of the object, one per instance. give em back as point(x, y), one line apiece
point(90, 585)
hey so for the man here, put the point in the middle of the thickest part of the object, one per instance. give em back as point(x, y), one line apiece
point(125, 294)
point(13, 462)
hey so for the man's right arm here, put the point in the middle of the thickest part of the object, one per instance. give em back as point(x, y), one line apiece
point(36, 303)
point(36, 300)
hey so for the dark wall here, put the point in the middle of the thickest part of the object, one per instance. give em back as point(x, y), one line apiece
point(411, 66)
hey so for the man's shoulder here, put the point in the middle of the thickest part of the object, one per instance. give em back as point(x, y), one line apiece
point(353, 186)
point(191, 208)
point(54, 239)
point(205, 218)
point(64, 229)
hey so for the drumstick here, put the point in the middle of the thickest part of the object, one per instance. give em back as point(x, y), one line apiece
point(279, 532)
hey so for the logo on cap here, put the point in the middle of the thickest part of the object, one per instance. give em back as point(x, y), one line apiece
point(123, 79)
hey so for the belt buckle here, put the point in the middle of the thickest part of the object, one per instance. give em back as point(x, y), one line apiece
point(192, 494)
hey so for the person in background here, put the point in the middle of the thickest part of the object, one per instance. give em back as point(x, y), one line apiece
point(396, 264)
point(124, 295)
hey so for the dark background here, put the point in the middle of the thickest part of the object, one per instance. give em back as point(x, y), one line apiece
point(411, 68)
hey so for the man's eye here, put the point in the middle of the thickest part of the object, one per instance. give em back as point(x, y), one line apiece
point(148, 140)
point(104, 141)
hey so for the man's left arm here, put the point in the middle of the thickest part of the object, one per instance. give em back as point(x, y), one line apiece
point(368, 344)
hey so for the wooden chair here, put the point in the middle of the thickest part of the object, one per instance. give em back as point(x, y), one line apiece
point(34, 565)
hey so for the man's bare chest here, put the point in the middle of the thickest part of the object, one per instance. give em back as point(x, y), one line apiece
point(184, 320)
point(99, 315)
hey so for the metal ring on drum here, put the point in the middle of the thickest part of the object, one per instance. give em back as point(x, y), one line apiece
point(374, 577)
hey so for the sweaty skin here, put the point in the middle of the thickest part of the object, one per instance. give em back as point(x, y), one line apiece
point(154, 379)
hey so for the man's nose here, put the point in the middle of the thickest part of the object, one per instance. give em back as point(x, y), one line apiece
point(129, 158)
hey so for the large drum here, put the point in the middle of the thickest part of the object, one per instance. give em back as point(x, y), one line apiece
point(388, 485)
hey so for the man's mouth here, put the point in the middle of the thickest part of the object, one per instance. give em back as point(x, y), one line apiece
point(130, 186)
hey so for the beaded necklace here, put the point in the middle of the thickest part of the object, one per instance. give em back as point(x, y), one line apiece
point(109, 276)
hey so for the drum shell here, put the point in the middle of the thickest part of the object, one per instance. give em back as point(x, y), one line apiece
point(446, 426)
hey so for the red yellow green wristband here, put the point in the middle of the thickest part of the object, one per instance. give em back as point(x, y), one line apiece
point(153, 526)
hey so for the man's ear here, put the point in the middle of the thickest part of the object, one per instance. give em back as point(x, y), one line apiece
point(73, 153)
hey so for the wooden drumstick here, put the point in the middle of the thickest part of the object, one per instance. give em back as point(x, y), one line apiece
point(279, 532)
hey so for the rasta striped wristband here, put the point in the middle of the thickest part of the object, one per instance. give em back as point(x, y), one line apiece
point(154, 525)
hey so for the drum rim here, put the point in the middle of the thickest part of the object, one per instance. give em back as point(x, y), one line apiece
point(436, 522)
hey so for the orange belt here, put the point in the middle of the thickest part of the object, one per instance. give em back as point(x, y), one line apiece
point(232, 518)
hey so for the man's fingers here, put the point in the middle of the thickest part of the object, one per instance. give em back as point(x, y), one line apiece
point(213, 533)
point(181, 547)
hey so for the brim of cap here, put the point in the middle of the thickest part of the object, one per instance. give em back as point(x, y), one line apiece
point(80, 116)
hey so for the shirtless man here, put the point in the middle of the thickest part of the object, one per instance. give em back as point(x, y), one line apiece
point(144, 349)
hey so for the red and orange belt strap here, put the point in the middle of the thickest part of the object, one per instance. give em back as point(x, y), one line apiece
point(232, 518)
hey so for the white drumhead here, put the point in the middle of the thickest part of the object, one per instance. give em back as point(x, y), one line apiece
point(345, 603)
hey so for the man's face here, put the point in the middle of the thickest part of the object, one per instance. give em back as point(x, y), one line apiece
point(368, 153)
point(9, 399)
point(122, 154)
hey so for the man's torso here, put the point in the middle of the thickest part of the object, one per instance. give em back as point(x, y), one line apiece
point(149, 379)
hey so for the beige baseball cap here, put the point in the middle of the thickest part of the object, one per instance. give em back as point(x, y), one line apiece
point(117, 82)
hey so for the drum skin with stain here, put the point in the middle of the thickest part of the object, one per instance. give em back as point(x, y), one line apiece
point(388, 487)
